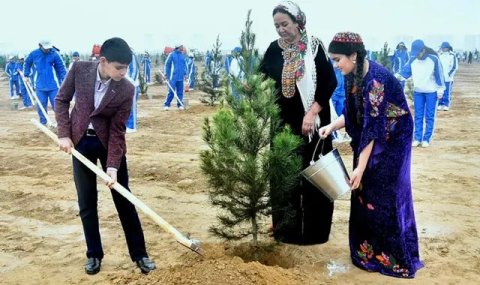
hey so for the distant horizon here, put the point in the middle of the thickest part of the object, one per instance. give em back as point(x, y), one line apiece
point(151, 27)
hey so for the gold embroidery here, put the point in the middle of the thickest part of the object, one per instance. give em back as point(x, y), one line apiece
point(293, 62)
point(290, 55)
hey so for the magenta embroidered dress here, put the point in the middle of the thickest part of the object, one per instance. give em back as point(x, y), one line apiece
point(382, 231)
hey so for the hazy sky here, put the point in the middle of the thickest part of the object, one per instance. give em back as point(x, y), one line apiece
point(153, 24)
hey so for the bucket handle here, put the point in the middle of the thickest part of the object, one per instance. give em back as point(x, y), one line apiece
point(312, 162)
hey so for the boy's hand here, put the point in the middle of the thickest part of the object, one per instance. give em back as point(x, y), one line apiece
point(112, 172)
point(65, 144)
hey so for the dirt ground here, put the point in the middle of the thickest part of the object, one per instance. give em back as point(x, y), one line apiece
point(41, 238)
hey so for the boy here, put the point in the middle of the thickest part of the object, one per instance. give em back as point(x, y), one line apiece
point(12, 73)
point(96, 128)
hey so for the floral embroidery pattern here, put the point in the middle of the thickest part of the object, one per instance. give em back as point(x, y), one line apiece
point(376, 96)
point(294, 64)
point(365, 252)
point(394, 111)
point(388, 261)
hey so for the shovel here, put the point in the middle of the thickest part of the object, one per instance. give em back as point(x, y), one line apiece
point(171, 88)
point(193, 245)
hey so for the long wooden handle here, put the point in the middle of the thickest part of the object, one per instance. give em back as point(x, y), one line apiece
point(39, 104)
point(171, 88)
point(27, 87)
point(193, 245)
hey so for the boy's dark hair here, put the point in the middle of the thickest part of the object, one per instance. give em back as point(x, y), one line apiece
point(116, 49)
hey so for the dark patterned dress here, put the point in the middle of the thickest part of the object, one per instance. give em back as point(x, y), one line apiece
point(307, 217)
point(383, 234)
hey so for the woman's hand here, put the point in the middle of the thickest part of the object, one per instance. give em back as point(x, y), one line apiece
point(356, 178)
point(363, 158)
point(308, 124)
point(325, 131)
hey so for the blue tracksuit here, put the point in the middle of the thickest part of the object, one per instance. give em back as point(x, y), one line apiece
point(175, 71)
point(428, 79)
point(338, 96)
point(46, 64)
point(12, 73)
point(191, 69)
point(132, 76)
point(147, 64)
point(228, 61)
point(400, 58)
point(25, 97)
point(450, 65)
point(33, 75)
point(208, 62)
point(47, 82)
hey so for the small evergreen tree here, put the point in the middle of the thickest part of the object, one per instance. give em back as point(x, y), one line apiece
point(383, 57)
point(3, 61)
point(66, 59)
point(249, 53)
point(213, 77)
point(143, 85)
point(249, 155)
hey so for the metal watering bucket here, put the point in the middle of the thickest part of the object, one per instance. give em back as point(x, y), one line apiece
point(328, 174)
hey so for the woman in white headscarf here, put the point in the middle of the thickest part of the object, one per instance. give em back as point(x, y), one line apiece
point(305, 81)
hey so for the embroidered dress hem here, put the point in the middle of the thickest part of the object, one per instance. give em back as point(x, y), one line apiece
point(382, 270)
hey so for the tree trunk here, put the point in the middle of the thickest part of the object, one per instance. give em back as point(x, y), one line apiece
point(255, 230)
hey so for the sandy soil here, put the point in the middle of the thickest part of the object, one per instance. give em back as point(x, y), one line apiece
point(41, 238)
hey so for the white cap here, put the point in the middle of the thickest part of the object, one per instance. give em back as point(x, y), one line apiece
point(178, 45)
point(10, 57)
point(46, 44)
point(21, 56)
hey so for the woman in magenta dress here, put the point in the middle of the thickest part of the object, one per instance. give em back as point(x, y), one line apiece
point(382, 230)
